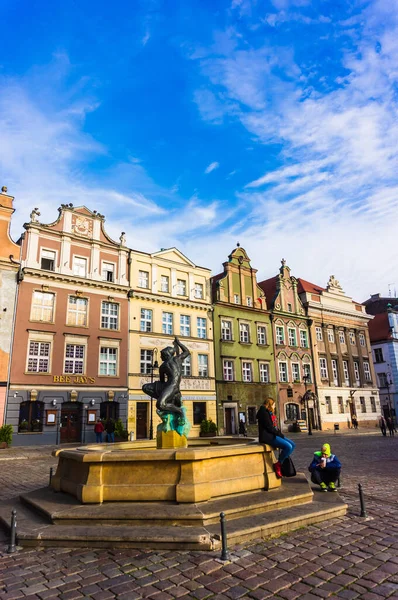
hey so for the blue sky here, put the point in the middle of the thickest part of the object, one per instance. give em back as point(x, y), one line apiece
point(199, 124)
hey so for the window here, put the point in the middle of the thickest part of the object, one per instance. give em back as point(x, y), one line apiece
point(244, 332)
point(164, 283)
point(328, 402)
point(198, 291)
point(74, 359)
point(226, 330)
point(77, 311)
point(331, 336)
point(280, 335)
point(249, 301)
point(181, 287)
point(146, 359)
point(372, 404)
point(39, 357)
point(283, 372)
point(335, 372)
point(292, 412)
point(201, 326)
point(199, 412)
point(30, 416)
point(42, 307)
point(236, 299)
point(264, 372)
point(79, 266)
point(340, 404)
point(289, 307)
point(143, 279)
point(108, 361)
point(356, 373)
point(251, 415)
point(382, 380)
point(47, 261)
point(366, 369)
point(185, 325)
point(146, 320)
point(203, 366)
point(307, 372)
point(318, 332)
point(228, 370)
point(363, 404)
point(292, 337)
point(186, 367)
point(323, 368)
point(108, 271)
point(261, 335)
point(247, 371)
point(379, 355)
point(341, 337)
point(346, 373)
point(351, 335)
point(167, 323)
point(109, 315)
point(362, 340)
point(296, 372)
point(303, 339)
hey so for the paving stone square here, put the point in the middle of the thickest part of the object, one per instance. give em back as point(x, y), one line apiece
point(350, 557)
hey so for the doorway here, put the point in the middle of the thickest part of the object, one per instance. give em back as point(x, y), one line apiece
point(70, 429)
point(142, 420)
point(230, 424)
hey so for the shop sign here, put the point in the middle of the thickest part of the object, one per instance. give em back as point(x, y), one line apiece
point(75, 379)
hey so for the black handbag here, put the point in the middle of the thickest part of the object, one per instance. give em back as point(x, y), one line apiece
point(288, 468)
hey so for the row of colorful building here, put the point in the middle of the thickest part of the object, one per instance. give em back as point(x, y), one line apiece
point(84, 317)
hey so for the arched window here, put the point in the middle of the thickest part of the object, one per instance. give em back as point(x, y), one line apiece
point(30, 416)
point(292, 412)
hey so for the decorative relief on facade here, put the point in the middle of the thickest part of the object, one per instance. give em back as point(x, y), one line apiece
point(186, 384)
point(82, 226)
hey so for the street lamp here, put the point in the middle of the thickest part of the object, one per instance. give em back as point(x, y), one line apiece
point(388, 384)
point(307, 379)
point(152, 367)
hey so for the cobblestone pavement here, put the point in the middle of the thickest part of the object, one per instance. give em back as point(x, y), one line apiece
point(349, 558)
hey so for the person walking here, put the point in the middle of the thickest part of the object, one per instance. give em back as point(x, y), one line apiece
point(383, 425)
point(354, 421)
point(110, 431)
point(390, 425)
point(325, 469)
point(98, 430)
point(269, 433)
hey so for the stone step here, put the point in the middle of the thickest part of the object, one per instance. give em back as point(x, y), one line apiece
point(62, 509)
point(35, 529)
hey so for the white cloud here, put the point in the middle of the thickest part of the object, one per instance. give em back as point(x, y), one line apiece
point(212, 167)
point(336, 191)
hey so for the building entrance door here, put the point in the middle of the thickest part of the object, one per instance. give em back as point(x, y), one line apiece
point(142, 420)
point(70, 423)
point(230, 425)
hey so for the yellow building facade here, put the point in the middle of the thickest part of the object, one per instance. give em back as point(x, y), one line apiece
point(170, 296)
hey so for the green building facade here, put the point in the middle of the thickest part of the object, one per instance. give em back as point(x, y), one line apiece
point(244, 361)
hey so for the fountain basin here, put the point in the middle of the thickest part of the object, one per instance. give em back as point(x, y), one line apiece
point(139, 472)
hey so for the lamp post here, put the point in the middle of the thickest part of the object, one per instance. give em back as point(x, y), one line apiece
point(388, 384)
point(152, 367)
point(307, 378)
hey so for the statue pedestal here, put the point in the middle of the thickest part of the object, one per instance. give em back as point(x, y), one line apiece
point(170, 439)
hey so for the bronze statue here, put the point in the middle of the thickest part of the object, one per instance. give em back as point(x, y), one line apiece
point(167, 390)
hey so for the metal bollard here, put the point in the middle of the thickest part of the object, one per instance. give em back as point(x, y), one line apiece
point(51, 475)
point(224, 551)
point(13, 533)
point(362, 501)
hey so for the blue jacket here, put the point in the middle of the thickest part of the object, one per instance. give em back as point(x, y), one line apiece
point(332, 462)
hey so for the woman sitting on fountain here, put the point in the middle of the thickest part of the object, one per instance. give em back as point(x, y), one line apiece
point(167, 390)
point(269, 433)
